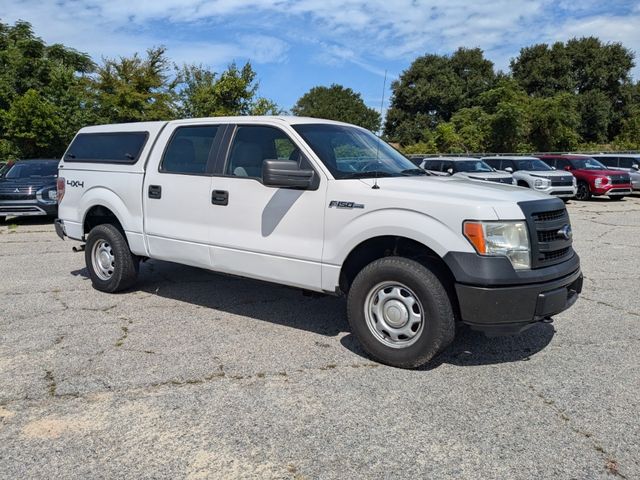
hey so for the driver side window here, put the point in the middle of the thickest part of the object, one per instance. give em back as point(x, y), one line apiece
point(253, 144)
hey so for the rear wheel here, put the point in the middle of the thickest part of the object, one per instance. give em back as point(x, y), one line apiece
point(112, 267)
point(400, 312)
point(583, 192)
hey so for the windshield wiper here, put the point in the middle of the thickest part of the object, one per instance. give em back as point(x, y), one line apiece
point(369, 174)
point(414, 171)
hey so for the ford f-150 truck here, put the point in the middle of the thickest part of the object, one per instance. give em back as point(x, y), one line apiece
point(323, 206)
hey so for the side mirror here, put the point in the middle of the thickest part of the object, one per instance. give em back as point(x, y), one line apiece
point(286, 174)
point(635, 166)
point(567, 168)
point(553, 168)
point(450, 171)
point(508, 169)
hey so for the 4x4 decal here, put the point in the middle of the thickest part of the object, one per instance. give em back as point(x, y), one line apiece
point(75, 183)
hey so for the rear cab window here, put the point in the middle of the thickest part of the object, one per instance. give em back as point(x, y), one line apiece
point(107, 147)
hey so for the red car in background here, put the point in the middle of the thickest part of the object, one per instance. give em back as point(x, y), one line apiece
point(594, 178)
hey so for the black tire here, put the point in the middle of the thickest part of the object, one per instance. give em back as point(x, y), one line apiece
point(125, 264)
point(616, 197)
point(566, 200)
point(438, 319)
point(522, 183)
point(583, 192)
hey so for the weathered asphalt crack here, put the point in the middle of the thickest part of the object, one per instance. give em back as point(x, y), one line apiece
point(618, 309)
point(219, 374)
point(611, 465)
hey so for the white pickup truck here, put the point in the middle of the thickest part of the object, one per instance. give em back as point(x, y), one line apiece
point(323, 206)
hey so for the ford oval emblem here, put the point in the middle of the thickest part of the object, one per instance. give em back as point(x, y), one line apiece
point(566, 232)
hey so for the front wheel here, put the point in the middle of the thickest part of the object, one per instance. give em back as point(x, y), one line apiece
point(616, 197)
point(583, 192)
point(112, 267)
point(400, 312)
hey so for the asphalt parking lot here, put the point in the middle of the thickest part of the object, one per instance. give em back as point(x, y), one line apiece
point(199, 375)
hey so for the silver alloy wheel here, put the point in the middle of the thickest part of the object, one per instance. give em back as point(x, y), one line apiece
point(103, 260)
point(394, 315)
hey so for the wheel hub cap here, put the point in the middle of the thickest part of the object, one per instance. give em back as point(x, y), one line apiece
point(394, 314)
point(103, 259)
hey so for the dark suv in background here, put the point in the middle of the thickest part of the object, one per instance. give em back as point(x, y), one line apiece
point(28, 188)
point(594, 178)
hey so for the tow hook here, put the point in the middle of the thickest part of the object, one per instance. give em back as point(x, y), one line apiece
point(78, 249)
point(547, 320)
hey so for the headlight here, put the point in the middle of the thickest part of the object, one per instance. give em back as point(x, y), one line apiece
point(541, 183)
point(601, 181)
point(509, 239)
point(47, 195)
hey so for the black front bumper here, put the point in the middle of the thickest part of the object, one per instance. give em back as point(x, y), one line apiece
point(500, 303)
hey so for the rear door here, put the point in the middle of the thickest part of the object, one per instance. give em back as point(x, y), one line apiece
point(264, 232)
point(177, 193)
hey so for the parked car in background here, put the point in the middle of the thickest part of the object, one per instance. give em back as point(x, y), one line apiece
point(594, 179)
point(531, 172)
point(625, 162)
point(467, 167)
point(28, 188)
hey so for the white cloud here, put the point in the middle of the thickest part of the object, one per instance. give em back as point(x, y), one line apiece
point(369, 33)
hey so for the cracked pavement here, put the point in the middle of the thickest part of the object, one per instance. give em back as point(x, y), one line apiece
point(197, 375)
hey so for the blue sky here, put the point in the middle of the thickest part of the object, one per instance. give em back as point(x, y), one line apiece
point(297, 44)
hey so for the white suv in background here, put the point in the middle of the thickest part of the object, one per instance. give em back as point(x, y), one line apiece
point(471, 168)
point(531, 172)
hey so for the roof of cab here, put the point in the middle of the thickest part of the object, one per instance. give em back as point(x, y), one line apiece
point(157, 125)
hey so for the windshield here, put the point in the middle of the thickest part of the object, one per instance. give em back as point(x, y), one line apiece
point(533, 165)
point(471, 166)
point(350, 152)
point(33, 169)
point(586, 164)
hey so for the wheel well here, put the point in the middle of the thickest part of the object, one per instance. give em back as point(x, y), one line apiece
point(379, 247)
point(99, 215)
point(522, 183)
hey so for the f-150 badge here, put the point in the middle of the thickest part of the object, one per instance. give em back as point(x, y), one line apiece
point(340, 204)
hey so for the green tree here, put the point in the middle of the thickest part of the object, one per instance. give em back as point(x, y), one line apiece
point(554, 123)
point(135, 89)
point(595, 110)
point(36, 78)
point(204, 93)
point(337, 103)
point(34, 126)
point(432, 89)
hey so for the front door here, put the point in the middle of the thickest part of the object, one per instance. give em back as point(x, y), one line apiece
point(273, 234)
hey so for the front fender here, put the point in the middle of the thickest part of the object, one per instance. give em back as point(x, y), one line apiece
point(407, 223)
